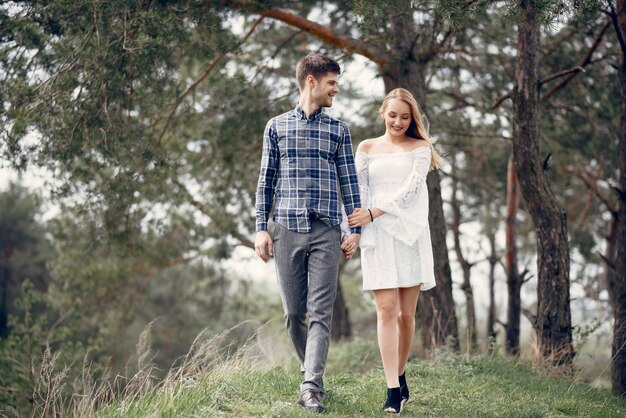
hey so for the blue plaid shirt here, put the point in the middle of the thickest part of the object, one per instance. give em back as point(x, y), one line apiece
point(303, 161)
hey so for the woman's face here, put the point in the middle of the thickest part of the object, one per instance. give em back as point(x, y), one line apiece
point(397, 117)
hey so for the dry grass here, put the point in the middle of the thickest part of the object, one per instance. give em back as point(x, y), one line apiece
point(221, 354)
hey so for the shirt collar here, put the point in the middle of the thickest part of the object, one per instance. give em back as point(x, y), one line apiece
point(313, 116)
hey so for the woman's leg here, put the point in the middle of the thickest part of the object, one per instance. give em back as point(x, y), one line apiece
point(406, 323)
point(387, 311)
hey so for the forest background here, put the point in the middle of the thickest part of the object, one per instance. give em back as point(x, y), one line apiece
point(141, 123)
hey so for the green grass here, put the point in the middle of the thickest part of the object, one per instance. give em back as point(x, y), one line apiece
point(445, 385)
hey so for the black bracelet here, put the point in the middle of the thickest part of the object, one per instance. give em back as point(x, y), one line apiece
point(371, 216)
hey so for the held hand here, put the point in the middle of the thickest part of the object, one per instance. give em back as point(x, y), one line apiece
point(348, 247)
point(263, 245)
point(359, 217)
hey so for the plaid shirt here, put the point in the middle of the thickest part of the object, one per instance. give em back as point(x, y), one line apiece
point(303, 161)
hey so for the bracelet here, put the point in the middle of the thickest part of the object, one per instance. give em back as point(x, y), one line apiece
point(371, 216)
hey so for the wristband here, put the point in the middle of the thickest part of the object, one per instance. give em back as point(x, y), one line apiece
point(371, 216)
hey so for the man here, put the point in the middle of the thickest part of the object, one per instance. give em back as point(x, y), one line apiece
point(306, 156)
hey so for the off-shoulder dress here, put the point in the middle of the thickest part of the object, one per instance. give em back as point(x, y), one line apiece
point(396, 249)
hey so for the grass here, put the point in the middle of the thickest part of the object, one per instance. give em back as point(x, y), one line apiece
point(445, 385)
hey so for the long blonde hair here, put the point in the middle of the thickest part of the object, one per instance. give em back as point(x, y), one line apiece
point(416, 129)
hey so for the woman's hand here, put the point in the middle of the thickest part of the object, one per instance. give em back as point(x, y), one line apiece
point(359, 217)
point(349, 244)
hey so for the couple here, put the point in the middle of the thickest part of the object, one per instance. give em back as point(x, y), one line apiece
point(306, 158)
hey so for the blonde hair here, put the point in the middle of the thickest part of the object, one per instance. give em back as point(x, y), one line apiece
point(417, 128)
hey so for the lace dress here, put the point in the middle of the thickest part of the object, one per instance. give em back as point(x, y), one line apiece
point(396, 250)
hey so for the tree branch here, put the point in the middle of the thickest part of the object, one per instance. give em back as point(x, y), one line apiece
point(614, 19)
point(525, 275)
point(571, 73)
point(459, 98)
point(195, 84)
point(320, 31)
point(594, 123)
point(573, 70)
point(592, 185)
point(501, 100)
point(202, 208)
point(608, 262)
point(531, 317)
point(435, 49)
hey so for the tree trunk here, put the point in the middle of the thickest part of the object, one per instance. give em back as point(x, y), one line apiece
point(553, 319)
point(437, 314)
point(491, 316)
point(513, 279)
point(466, 266)
point(441, 315)
point(437, 317)
point(618, 365)
point(610, 258)
point(5, 285)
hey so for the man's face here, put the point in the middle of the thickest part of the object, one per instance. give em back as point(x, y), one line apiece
point(325, 89)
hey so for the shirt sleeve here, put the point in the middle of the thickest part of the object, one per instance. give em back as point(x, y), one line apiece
point(347, 174)
point(345, 226)
point(267, 177)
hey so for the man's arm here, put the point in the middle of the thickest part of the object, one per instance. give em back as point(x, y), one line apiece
point(347, 175)
point(265, 191)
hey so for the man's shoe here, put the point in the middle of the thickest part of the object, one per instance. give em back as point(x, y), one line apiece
point(310, 399)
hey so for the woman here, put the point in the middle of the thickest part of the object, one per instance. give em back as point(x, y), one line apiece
point(396, 251)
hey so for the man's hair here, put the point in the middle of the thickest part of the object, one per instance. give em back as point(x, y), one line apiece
point(316, 65)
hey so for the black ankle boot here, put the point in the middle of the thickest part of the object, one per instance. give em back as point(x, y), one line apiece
point(394, 401)
point(404, 389)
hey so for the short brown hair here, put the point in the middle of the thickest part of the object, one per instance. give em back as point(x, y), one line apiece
point(316, 65)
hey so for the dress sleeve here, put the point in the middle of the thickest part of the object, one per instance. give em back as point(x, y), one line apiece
point(362, 163)
point(401, 200)
point(406, 209)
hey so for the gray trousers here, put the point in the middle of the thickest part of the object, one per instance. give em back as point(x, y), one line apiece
point(307, 266)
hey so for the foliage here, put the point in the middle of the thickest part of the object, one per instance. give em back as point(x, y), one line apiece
point(27, 362)
point(24, 249)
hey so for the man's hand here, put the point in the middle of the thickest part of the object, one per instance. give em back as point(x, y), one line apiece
point(347, 247)
point(263, 245)
point(349, 244)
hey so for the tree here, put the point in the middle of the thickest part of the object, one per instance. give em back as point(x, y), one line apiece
point(466, 266)
point(514, 279)
point(402, 54)
point(618, 364)
point(133, 109)
point(24, 250)
point(552, 322)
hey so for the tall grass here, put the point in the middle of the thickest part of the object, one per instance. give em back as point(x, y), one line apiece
point(250, 370)
point(209, 355)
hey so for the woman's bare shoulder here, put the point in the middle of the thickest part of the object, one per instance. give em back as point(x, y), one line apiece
point(366, 145)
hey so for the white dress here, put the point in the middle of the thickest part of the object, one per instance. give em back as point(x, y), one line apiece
point(396, 250)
